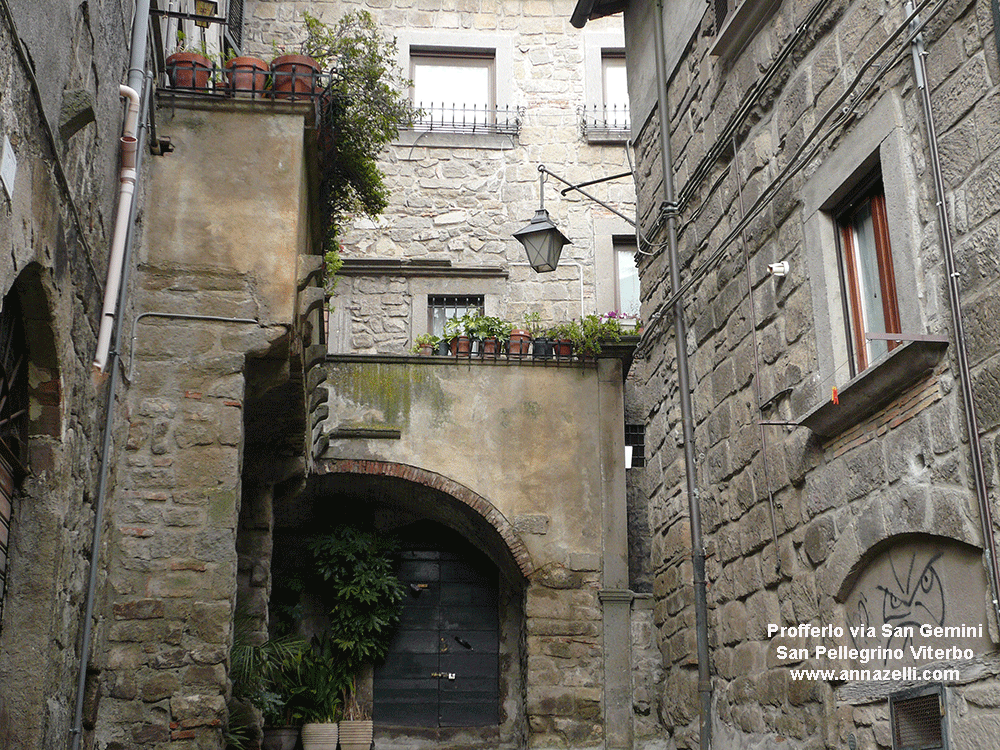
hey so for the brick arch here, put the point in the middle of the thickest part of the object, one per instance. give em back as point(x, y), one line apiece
point(482, 507)
point(888, 518)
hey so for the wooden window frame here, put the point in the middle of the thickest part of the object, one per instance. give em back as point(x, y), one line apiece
point(871, 194)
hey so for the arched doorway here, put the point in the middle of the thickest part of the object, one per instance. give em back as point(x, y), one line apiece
point(466, 545)
point(442, 669)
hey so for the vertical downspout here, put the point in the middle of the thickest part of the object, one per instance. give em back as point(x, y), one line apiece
point(955, 299)
point(669, 210)
point(136, 82)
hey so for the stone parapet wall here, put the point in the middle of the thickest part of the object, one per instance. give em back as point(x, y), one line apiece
point(837, 503)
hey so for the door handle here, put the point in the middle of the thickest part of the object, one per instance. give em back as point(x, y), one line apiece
point(449, 675)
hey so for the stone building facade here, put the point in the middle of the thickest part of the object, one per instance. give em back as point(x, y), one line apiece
point(60, 122)
point(837, 483)
point(233, 426)
point(458, 192)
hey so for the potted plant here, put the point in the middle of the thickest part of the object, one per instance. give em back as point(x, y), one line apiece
point(245, 74)
point(364, 595)
point(562, 336)
point(458, 337)
point(189, 69)
point(494, 331)
point(261, 677)
point(425, 344)
point(593, 330)
point(519, 341)
point(320, 678)
point(629, 323)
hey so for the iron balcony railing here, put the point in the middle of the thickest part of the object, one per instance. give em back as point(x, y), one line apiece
point(469, 119)
point(195, 43)
point(600, 123)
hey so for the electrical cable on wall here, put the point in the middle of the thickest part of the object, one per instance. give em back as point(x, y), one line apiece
point(796, 164)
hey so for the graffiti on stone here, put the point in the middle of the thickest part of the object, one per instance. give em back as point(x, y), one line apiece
point(914, 589)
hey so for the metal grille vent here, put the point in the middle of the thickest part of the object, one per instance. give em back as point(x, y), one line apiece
point(916, 722)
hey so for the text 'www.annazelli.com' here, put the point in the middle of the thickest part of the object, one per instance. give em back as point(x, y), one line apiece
point(875, 675)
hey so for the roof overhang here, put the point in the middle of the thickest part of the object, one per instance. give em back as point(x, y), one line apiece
point(588, 10)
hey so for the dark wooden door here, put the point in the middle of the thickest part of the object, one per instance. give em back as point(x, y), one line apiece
point(442, 669)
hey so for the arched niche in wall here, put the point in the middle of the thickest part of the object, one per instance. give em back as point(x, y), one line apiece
point(33, 506)
point(917, 599)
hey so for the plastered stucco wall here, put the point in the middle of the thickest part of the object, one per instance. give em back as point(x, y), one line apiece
point(231, 196)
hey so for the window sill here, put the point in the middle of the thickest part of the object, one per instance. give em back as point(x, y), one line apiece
point(874, 388)
point(445, 139)
point(741, 25)
point(596, 136)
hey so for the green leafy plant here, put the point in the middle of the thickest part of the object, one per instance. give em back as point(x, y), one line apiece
point(533, 323)
point(568, 331)
point(363, 594)
point(261, 673)
point(317, 680)
point(454, 327)
point(595, 330)
point(424, 339)
point(363, 112)
point(499, 328)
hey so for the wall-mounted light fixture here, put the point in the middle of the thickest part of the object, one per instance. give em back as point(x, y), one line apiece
point(542, 241)
point(205, 8)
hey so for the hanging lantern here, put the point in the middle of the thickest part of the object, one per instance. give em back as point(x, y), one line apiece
point(542, 241)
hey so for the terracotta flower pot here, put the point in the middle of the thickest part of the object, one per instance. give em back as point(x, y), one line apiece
point(518, 344)
point(491, 347)
point(295, 76)
point(563, 348)
point(189, 70)
point(247, 75)
point(461, 346)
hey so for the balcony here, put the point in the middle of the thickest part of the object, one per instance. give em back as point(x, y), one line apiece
point(197, 53)
point(602, 124)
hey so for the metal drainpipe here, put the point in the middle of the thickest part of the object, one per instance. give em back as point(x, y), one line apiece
point(684, 386)
point(955, 299)
point(136, 80)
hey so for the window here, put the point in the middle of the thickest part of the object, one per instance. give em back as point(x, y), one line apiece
point(635, 438)
point(626, 276)
point(615, 89)
point(441, 308)
point(867, 274)
point(736, 23)
point(13, 418)
point(605, 112)
point(455, 89)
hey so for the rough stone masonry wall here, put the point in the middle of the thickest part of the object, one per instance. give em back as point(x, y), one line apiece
point(462, 204)
point(165, 644)
point(906, 468)
point(60, 110)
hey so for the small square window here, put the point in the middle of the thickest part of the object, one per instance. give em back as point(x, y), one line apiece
point(441, 308)
point(868, 278)
point(455, 90)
